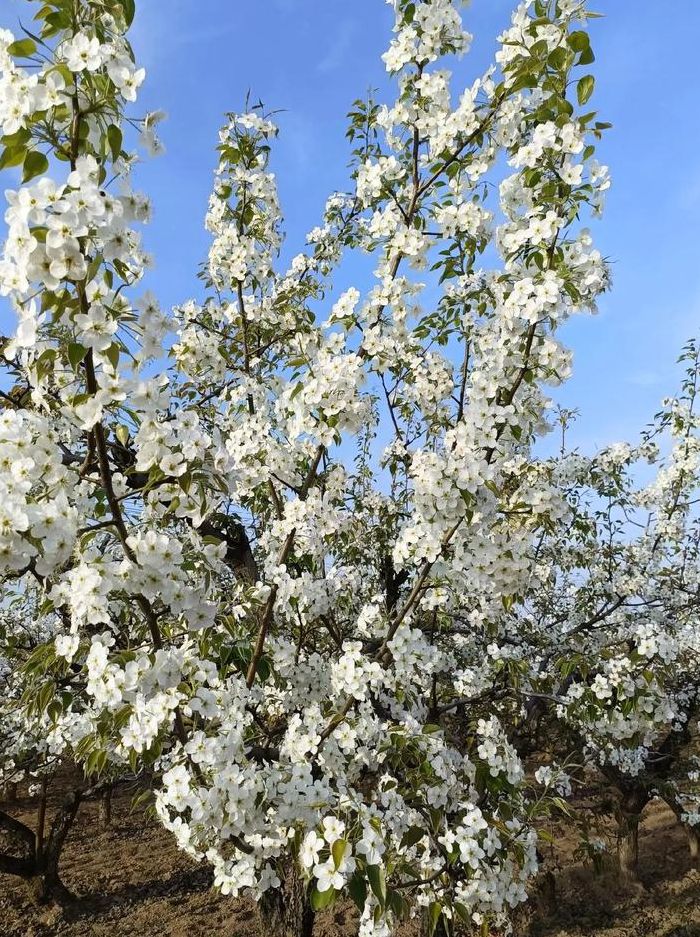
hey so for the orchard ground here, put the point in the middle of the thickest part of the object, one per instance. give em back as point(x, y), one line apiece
point(131, 880)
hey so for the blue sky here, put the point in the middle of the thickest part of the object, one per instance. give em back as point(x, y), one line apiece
point(311, 58)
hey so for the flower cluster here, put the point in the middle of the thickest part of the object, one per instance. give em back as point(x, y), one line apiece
point(304, 565)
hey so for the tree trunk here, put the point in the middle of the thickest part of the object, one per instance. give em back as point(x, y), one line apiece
point(9, 792)
point(692, 832)
point(629, 815)
point(23, 840)
point(546, 893)
point(39, 864)
point(286, 911)
point(47, 885)
point(105, 809)
point(41, 820)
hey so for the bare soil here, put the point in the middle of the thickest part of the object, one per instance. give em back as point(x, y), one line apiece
point(132, 881)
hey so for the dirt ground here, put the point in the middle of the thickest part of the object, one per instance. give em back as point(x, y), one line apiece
point(131, 881)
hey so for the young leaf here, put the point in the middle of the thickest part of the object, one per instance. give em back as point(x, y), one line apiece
point(584, 89)
point(338, 851)
point(434, 913)
point(321, 899)
point(112, 354)
point(412, 836)
point(114, 138)
point(76, 353)
point(34, 164)
point(22, 48)
point(358, 890)
point(12, 156)
point(579, 40)
point(377, 881)
point(129, 8)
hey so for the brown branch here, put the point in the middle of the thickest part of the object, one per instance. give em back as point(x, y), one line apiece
point(17, 830)
point(11, 865)
point(266, 620)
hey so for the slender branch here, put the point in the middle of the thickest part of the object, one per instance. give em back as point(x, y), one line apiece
point(282, 559)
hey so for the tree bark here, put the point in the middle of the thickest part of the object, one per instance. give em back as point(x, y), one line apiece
point(629, 815)
point(51, 886)
point(41, 820)
point(39, 867)
point(21, 839)
point(9, 792)
point(105, 809)
point(693, 834)
point(286, 911)
point(17, 831)
point(546, 893)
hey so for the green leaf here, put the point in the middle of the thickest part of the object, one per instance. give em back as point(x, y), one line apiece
point(55, 22)
point(559, 59)
point(377, 882)
point(508, 602)
point(96, 762)
point(22, 49)
point(579, 41)
point(114, 138)
point(129, 7)
point(338, 851)
point(12, 156)
point(398, 904)
point(19, 138)
point(39, 659)
point(584, 89)
point(54, 710)
point(45, 696)
point(526, 80)
point(122, 434)
point(434, 913)
point(122, 270)
point(139, 800)
point(562, 805)
point(358, 890)
point(185, 482)
point(43, 12)
point(112, 354)
point(321, 899)
point(35, 164)
point(65, 73)
point(412, 836)
point(76, 353)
